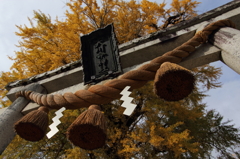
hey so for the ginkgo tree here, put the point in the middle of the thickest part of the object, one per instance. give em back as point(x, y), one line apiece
point(157, 129)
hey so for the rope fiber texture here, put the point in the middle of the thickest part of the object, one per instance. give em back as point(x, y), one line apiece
point(109, 91)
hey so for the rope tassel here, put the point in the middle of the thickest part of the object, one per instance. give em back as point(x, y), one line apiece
point(173, 82)
point(88, 131)
point(33, 126)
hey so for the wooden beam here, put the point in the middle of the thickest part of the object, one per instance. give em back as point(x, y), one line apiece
point(205, 54)
point(141, 50)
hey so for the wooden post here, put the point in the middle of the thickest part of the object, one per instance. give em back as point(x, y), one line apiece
point(228, 40)
point(13, 114)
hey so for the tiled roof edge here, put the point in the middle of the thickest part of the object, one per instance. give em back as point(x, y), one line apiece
point(44, 75)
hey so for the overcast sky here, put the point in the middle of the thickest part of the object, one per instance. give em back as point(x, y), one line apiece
point(15, 12)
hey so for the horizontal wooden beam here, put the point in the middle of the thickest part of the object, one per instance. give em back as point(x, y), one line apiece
point(143, 51)
point(205, 54)
point(140, 53)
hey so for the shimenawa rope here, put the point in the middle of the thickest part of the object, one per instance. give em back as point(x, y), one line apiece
point(102, 94)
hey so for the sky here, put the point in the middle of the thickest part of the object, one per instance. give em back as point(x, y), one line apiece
point(225, 100)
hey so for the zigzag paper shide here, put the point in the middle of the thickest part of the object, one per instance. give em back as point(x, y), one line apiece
point(127, 101)
point(55, 123)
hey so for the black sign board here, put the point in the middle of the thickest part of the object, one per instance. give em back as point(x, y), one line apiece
point(100, 55)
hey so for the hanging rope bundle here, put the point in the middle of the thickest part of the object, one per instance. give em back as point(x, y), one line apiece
point(88, 131)
point(33, 126)
point(173, 82)
point(100, 94)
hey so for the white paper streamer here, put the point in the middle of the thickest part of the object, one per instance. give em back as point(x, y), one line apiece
point(55, 123)
point(127, 101)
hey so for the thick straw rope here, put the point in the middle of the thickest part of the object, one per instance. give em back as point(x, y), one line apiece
point(101, 94)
